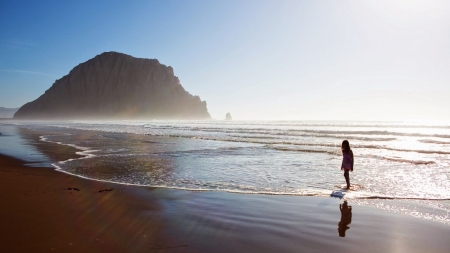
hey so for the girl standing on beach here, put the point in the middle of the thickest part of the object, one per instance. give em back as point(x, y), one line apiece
point(347, 161)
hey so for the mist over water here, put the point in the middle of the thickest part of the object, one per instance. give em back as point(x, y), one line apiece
point(392, 160)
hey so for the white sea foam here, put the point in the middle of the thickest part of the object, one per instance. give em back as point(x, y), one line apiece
point(392, 161)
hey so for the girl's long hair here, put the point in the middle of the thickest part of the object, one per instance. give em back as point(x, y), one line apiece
point(345, 147)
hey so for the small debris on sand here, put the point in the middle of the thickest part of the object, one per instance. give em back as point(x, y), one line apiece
point(106, 190)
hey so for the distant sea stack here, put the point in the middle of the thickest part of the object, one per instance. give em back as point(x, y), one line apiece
point(116, 86)
point(228, 116)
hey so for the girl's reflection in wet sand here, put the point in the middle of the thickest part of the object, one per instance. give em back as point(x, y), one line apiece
point(346, 218)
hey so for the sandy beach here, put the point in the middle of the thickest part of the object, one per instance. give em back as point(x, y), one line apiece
point(39, 213)
point(44, 210)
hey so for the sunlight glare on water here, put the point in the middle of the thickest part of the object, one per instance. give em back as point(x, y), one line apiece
point(392, 160)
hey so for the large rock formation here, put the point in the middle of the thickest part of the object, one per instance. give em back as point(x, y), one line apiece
point(116, 86)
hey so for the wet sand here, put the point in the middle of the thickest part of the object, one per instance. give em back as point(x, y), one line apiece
point(40, 214)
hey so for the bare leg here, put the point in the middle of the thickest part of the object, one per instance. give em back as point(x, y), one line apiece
point(347, 178)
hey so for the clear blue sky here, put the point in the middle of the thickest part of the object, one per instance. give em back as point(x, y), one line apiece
point(337, 60)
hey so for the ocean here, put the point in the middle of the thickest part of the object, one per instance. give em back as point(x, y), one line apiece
point(393, 160)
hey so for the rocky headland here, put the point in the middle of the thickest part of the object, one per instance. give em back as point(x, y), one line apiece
point(116, 86)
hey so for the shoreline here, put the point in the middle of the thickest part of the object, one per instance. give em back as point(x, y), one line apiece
point(41, 211)
point(45, 214)
point(47, 210)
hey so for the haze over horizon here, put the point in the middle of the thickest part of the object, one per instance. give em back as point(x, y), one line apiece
point(258, 60)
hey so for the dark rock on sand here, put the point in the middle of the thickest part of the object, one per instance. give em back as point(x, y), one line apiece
point(116, 86)
point(106, 190)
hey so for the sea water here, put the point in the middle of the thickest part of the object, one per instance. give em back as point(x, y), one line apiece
point(393, 160)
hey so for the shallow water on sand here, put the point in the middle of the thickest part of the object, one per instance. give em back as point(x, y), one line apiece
point(392, 160)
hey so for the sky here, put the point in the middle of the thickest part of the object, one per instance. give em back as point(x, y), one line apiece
point(257, 59)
